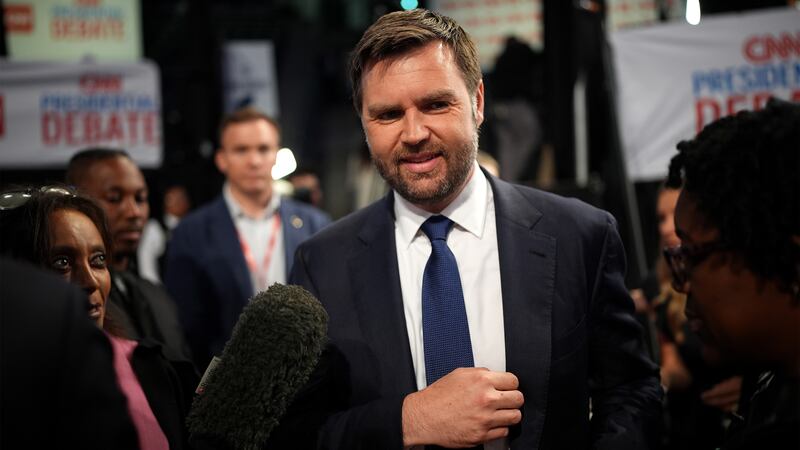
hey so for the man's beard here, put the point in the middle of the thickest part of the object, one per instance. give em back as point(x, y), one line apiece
point(459, 163)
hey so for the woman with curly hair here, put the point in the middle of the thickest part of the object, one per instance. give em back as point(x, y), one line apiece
point(739, 259)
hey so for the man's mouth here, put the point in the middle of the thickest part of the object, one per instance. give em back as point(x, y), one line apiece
point(131, 233)
point(421, 162)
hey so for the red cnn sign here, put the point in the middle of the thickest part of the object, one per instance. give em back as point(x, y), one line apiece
point(18, 18)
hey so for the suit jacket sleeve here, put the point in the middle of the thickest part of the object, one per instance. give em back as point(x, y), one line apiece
point(625, 389)
point(321, 405)
point(189, 289)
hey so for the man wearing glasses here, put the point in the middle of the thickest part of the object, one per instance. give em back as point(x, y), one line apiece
point(738, 218)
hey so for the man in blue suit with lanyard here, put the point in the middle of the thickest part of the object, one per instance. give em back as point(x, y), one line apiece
point(240, 243)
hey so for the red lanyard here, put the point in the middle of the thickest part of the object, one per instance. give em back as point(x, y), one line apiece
point(261, 275)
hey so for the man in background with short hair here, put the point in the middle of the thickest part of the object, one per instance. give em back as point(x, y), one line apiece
point(114, 181)
point(240, 243)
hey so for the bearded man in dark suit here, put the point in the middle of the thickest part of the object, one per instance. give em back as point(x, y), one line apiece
point(536, 345)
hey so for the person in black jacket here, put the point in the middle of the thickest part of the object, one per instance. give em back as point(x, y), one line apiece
point(56, 229)
point(57, 387)
point(738, 218)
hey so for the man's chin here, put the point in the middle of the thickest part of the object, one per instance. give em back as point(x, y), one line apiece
point(422, 192)
point(125, 250)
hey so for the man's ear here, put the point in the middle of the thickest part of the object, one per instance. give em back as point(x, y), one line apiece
point(221, 161)
point(479, 103)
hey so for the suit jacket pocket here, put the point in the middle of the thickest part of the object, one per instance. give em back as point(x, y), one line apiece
point(570, 342)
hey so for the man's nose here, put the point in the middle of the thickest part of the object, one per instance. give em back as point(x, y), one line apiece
point(132, 208)
point(415, 129)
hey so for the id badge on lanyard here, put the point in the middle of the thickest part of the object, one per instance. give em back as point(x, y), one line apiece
point(261, 275)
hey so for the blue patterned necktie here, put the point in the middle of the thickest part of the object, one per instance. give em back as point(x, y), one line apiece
point(445, 329)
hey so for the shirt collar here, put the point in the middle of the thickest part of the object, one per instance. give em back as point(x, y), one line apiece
point(171, 220)
point(468, 210)
point(236, 210)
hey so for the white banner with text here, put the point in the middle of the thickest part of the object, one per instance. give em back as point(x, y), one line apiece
point(674, 79)
point(48, 111)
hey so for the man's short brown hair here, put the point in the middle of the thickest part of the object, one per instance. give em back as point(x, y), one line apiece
point(244, 115)
point(401, 31)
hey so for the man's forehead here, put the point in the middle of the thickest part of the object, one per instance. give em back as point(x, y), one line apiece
point(249, 123)
point(115, 173)
point(381, 65)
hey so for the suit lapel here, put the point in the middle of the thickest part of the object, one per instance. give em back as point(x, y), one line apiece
point(527, 273)
point(378, 298)
point(229, 248)
point(291, 224)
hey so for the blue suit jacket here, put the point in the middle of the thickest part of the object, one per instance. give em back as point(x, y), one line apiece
point(207, 275)
point(570, 332)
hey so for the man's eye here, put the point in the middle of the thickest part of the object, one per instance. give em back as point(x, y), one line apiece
point(60, 263)
point(437, 105)
point(113, 198)
point(389, 115)
point(141, 198)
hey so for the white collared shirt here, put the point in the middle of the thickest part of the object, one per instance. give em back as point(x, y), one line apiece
point(473, 241)
point(257, 232)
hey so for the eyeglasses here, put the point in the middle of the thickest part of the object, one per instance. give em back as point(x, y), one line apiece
point(17, 198)
point(681, 259)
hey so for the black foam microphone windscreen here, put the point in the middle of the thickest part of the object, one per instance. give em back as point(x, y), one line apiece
point(272, 351)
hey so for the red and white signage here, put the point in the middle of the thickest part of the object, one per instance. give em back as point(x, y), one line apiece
point(51, 110)
point(674, 79)
point(72, 30)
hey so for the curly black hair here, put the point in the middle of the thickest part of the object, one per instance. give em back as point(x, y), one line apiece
point(743, 172)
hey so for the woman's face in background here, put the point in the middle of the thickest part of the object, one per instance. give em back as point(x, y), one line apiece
point(77, 252)
point(665, 212)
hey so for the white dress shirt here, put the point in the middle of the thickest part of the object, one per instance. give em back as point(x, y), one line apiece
point(257, 232)
point(152, 246)
point(473, 241)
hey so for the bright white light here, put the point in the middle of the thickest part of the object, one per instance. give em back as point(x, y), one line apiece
point(284, 164)
point(693, 12)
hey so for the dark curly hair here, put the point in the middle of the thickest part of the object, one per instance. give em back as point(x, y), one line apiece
point(743, 172)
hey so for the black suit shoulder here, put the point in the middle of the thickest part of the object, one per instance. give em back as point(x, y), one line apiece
point(305, 210)
point(560, 211)
point(196, 220)
point(150, 312)
point(341, 233)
